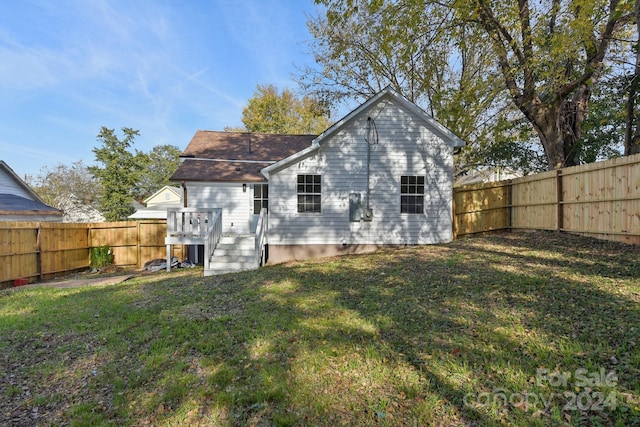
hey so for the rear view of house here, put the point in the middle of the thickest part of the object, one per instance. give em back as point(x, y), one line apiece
point(380, 176)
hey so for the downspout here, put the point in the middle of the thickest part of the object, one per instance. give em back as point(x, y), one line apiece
point(368, 128)
point(184, 194)
point(367, 215)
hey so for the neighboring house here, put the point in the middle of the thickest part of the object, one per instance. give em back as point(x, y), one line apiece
point(76, 211)
point(487, 175)
point(18, 202)
point(383, 175)
point(155, 206)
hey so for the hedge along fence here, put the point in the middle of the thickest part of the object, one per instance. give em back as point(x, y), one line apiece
point(599, 200)
point(43, 250)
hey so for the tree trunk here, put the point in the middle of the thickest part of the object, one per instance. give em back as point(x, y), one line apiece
point(545, 122)
point(559, 126)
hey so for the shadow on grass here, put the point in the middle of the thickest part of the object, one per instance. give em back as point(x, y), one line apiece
point(427, 335)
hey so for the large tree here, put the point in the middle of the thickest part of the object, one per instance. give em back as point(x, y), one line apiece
point(361, 47)
point(53, 183)
point(118, 174)
point(550, 54)
point(546, 56)
point(272, 111)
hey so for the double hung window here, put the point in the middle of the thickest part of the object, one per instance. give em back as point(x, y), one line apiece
point(309, 193)
point(412, 194)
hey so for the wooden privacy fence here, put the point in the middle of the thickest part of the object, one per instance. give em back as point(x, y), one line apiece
point(600, 200)
point(43, 250)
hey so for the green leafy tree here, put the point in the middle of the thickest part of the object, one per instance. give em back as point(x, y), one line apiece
point(53, 183)
point(361, 47)
point(464, 56)
point(550, 56)
point(119, 173)
point(271, 111)
point(156, 167)
point(604, 126)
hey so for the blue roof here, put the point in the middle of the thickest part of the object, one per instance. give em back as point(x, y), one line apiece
point(13, 203)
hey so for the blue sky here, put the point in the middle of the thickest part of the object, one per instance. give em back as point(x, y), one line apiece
point(166, 68)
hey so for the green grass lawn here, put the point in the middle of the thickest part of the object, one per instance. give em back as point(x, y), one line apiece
point(514, 329)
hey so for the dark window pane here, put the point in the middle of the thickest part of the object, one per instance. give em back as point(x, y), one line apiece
point(265, 191)
point(256, 207)
point(257, 191)
point(411, 198)
point(309, 189)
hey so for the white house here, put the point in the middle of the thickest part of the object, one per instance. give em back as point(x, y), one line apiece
point(18, 202)
point(155, 206)
point(380, 176)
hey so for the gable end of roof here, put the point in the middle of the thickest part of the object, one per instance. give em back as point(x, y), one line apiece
point(435, 126)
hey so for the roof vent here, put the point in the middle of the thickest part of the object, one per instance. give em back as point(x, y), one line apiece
point(237, 168)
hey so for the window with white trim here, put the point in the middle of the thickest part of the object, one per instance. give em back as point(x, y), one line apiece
point(411, 194)
point(309, 193)
point(260, 198)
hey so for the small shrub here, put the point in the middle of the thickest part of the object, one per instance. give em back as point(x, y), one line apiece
point(101, 256)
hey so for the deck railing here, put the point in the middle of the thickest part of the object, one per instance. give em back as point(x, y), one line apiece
point(261, 235)
point(194, 226)
point(189, 222)
point(214, 233)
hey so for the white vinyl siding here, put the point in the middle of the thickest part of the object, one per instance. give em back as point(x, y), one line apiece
point(405, 147)
point(8, 185)
point(236, 204)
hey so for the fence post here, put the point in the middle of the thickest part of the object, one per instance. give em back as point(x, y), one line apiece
point(509, 204)
point(39, 249)
point(559, 200)
point(138, 248)
point(454, 228)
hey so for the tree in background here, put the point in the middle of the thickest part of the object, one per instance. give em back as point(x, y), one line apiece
point(56, 181)
point(474, 63)
point(118, 174)
point(127, 176)
point(271, 111)
point(550, 57)
point(156, 168)
point(418, 50)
